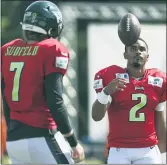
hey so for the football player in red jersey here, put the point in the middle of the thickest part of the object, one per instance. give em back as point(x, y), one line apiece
point(32, 85)
point(134, 98)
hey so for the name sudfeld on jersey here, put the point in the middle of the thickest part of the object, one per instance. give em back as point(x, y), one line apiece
point(21, 51)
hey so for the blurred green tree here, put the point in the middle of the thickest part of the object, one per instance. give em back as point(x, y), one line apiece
point(11, 16)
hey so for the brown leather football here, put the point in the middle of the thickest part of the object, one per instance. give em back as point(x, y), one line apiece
point(129, 29)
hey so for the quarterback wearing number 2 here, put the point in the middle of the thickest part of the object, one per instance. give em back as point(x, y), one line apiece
point(134, 98)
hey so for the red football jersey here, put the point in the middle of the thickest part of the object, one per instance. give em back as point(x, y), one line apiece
point(131, 113)
point(24, 67)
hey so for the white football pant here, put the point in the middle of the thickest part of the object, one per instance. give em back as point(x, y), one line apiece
point(148, 155)
point(40, 150)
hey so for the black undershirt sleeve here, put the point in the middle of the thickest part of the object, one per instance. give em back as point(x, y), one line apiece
point(53, 92)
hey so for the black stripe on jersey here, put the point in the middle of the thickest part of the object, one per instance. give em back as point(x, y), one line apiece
point(56, 150)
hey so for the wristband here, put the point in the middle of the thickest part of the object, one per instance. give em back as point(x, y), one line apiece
point(102, 97)
point(72, 140)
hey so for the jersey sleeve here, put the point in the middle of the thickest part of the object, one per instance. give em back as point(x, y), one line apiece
point(99, 82)
point(163, 97)
point(56, 61)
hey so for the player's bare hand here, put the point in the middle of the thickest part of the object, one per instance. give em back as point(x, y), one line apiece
point(78, 153)
point(115, 85)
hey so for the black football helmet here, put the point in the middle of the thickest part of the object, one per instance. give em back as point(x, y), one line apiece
point(42, 18)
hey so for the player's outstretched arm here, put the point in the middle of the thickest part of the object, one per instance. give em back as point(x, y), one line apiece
point(160, 126)
point(55, 102)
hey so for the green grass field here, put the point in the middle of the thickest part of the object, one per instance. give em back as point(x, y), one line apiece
point(93, 161)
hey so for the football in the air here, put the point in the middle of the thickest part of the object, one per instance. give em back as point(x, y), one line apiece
point(129, 29)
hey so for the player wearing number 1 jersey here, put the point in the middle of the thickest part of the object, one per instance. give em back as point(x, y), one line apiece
point(134, 99)
point(32, 87)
